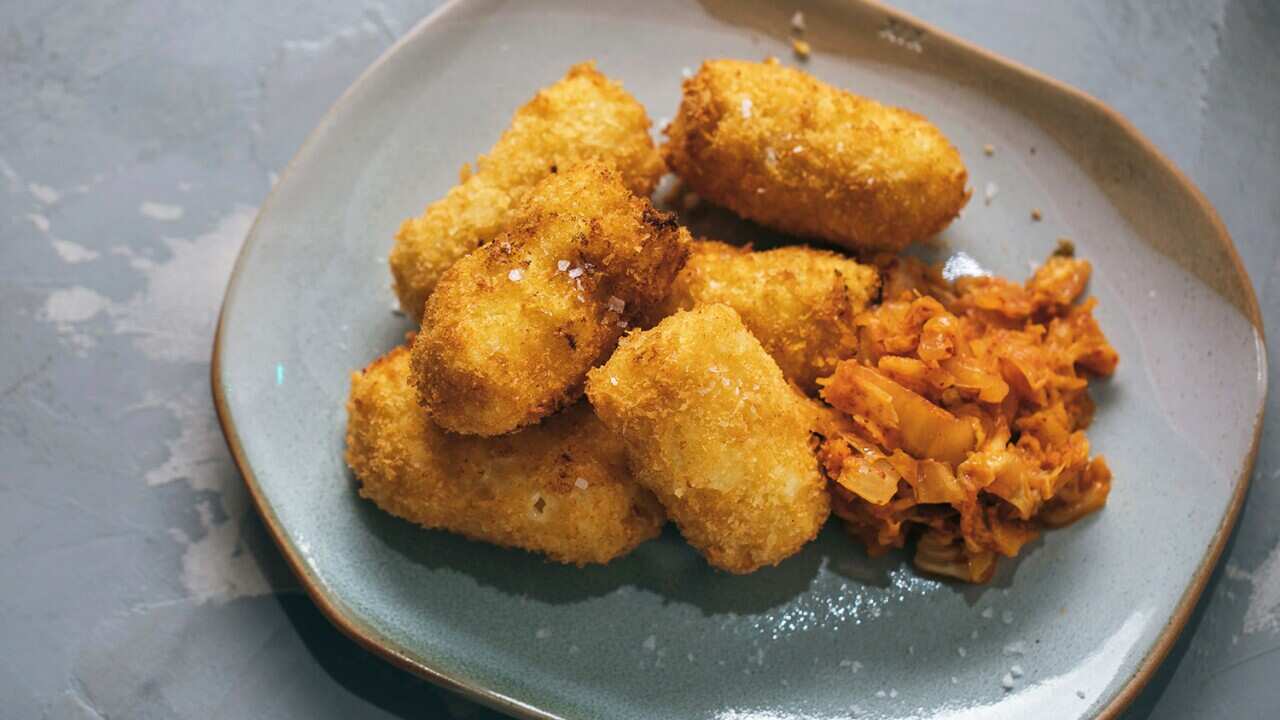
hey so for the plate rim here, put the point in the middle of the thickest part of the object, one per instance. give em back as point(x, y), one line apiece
point(369, 638)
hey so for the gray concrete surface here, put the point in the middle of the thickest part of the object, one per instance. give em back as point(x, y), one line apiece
point(136, 140)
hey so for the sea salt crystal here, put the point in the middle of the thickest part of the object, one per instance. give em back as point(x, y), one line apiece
point(516, 275)
point(580, 483)
point(746, 108)
point(990, 194)
point(797, 149)
point(613, 380)
point(562, 265)
point(880, 693)
point(1015, 648)
point(575, 273)
point(893, 693)
point(617, 304)
point(686, 71)
point(770, 157)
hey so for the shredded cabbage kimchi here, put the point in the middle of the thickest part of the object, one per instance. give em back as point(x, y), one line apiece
point(962, 414)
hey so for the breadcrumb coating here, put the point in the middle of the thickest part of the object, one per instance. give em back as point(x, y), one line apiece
point(512, 328)
point(582, 116)
point(562, 488)
point(716, 432)
point(777, 146)
point(799, 302)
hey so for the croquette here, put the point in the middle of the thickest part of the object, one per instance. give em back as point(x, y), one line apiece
point(584, 115)
point(512, 328)
point(777, 146)
point(799, 302)
point(716, 432)
point(562, 488)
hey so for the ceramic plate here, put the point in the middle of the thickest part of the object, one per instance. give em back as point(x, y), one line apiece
point(1086, 613)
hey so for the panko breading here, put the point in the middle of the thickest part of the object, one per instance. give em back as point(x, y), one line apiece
point(781, 148)
point(965, 415)
point(561, 488)
point(714, 430)
point(799, 302)
point(511, 329)
point(585, 115)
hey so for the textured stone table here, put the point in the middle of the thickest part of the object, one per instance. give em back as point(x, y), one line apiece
point(136, 140)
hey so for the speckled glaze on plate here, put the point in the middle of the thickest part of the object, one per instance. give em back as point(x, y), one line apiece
point(1086, 614)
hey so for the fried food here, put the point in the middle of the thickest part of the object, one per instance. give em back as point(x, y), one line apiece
point(779, 147)
point(966, 410)
point(511, 329)
point(562, 488)
point(584, 115)
point(799, 302)
point(714, 430)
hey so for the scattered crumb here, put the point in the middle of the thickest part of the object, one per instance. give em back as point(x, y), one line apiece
point(1006, 617)
point(988, 613)
point(797, 22)
point(516, 275)
point(955, 680)
point(617, 304)
point(770, 157)
point(1035, 214)
point(759, 191)
point(961, 651)
point(686, 72)
point(650, 643)
point(1080, 694)
point(1065, 248)
point(542, 633)
point(1015, 648)
point(1033, 149)
point(893, 693)
point(573, 649)
point(1007, 681)
point(911, 649)
point(880, 693)
point(990, 193)
point(988, 149)
point(801, 49)
point(1016, 670)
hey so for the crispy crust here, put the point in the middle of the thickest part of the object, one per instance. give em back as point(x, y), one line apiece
point(777, 146)
point(517, 491)
point(508, 336)
point(799, 302)
point(715, 431)
point(584, 115)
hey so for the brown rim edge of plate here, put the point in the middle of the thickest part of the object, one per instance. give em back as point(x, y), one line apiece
point(368, 639)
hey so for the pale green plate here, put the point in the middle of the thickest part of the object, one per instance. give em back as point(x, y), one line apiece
point(1086, 614)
